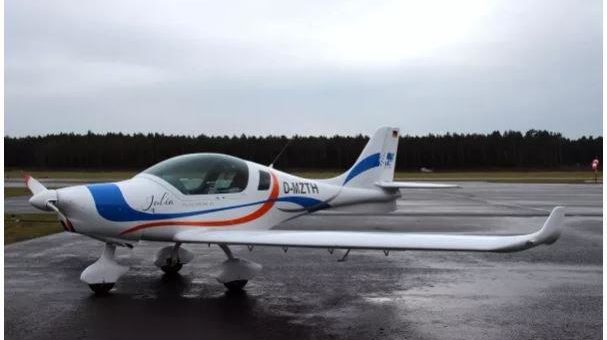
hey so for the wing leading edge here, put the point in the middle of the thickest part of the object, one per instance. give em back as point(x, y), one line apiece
point(548, 234)
point(414, 185)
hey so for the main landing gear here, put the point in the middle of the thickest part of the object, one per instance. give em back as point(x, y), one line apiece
point(234, 272)
point(172, 258)
point(103, 274)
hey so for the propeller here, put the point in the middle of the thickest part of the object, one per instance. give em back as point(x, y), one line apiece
point(46, 199)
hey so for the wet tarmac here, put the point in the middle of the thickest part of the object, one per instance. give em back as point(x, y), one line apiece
point(549, 292)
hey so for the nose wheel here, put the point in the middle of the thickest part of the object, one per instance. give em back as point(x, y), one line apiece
point(103, 274)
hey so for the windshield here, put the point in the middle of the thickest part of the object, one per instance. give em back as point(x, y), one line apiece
point(203, 174)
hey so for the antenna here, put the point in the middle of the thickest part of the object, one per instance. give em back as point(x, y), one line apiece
point(280, 153)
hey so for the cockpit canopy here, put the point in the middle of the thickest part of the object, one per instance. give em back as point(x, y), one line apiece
point(203, 173)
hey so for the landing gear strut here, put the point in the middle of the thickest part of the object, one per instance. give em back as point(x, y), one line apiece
point(103, 274)
point(172, 258)
point(235, 272)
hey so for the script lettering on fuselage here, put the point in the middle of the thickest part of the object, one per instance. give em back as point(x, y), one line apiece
point(155, 202)
point(299, 188)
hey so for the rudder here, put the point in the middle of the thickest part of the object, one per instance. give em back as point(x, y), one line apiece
point(375, 163)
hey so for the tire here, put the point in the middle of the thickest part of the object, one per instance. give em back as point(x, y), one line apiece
point(235, 286)
point(101, 288)
point(172, 269)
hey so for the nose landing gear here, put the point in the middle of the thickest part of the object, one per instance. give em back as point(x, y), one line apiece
point(103, 274)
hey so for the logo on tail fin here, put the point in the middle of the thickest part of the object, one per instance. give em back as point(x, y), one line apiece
point(387, 160)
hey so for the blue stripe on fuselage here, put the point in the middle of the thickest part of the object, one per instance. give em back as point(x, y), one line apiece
point(367, 163)
point(111, 205)
point(308, 203)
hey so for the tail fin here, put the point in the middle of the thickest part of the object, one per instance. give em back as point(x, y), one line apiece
point(375, 164)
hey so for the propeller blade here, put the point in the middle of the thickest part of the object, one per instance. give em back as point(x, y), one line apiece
point(45, 199)
point(67, 225)
point(33, 185)
point(41, 196)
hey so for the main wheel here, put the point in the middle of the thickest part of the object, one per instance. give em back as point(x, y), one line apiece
point(172, 269)
point(236, 285)
point(101, 288)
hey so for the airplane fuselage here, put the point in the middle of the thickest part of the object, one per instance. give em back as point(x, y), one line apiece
point(147, 207)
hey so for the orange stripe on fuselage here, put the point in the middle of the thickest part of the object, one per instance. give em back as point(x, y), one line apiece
point(222, 223)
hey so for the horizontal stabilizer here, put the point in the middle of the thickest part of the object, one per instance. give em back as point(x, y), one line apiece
point(414, 185)
point(548, 234)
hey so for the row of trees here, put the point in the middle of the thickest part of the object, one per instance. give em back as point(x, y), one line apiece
point(511, 149)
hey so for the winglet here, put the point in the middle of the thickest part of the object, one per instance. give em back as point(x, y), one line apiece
point(551, 230)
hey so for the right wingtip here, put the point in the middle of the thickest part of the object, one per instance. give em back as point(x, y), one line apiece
point(551, 231)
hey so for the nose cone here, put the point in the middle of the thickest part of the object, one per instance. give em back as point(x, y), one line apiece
point(74, 200)
point(40, 199)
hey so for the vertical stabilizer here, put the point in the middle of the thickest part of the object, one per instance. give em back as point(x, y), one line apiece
point(376, 162)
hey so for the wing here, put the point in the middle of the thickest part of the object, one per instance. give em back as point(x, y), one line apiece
point(414, 185)
point(548, 234)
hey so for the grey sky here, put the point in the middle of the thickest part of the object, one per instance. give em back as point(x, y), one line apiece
point(303, 67)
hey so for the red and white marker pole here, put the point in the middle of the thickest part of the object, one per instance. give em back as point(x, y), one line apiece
point(595, 168)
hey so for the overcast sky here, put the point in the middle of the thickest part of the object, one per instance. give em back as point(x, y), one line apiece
point(303, 67)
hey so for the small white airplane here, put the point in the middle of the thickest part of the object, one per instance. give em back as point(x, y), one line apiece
point(223, 200)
